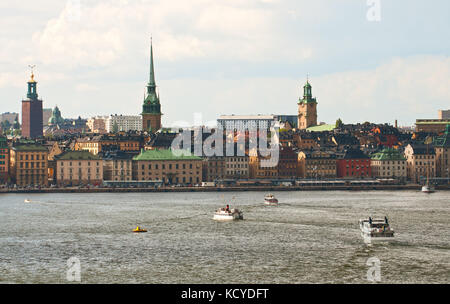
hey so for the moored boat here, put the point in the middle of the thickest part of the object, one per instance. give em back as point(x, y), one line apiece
point(376, 230)
point(270, 199)
point(27, 201)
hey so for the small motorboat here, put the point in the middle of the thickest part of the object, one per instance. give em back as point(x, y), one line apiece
point(27, 201)
point(139, 229)
point(269, 199)
point(227, 214)
point(428, 189)
point(376, 230)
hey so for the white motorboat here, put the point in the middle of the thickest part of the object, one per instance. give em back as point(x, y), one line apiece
point(376, 230)
point(428, 189)
point(269, 199)
point(226, 214)
point(27, 201)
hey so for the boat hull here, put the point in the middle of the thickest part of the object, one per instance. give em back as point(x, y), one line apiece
point(427, 189)
point(228, 217)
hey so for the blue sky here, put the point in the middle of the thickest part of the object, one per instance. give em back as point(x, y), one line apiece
point(229, 57)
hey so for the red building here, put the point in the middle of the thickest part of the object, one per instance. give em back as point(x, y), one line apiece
point(32, 126)
point(354, 163)
point(4, 160)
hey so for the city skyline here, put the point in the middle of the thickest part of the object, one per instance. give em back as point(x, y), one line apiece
point(358, 68)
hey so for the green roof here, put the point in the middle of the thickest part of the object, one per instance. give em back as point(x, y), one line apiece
point(165, 155)
point(30, 148)
point(321, 128)
point(444, 140)
point(77, 155)
point(388, 154)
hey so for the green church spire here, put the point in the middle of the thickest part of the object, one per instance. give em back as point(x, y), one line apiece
point(152, 82)
point(151, 101)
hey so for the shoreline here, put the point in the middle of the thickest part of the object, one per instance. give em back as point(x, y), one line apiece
point(224, 189)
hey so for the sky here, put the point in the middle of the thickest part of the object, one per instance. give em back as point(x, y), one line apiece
point(367, 60)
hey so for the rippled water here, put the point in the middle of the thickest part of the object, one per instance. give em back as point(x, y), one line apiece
point(312, 237)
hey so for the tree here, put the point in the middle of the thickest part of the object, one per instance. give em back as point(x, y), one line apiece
point(339, 123)
point(115, 128)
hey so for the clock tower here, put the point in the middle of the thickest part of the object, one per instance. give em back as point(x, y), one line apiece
point(307, 108)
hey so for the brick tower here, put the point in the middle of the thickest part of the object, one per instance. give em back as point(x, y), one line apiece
point(307, 108)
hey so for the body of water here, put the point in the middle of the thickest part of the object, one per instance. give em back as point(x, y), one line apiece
point(311, 237)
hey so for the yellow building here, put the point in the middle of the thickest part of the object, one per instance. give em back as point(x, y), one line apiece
point(317, 164)
point(75, 168)
point(29, 165)
point(168, 167)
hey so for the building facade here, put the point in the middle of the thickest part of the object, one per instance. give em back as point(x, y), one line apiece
point(420, 162)
point(444, 114)
point(164, 165)
point(213, 168)
point(29, 165)
point(316, 164)
point(389, 163)
point(74, 168)
point(151, 109)
point(442, 150)
point(436, 126)
point(236, 167)
point(307, 109)
point(353, 164)
point(117, 166)
point(97, 124)
point(123, 123)
point(32, 115)
point(4, 160)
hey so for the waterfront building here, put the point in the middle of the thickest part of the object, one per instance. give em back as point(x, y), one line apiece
point(420, 161)
point(236, 167)
point(213, 168)
point(353, 164)
point(307, 108)
point(317, 164)
point(75, 168)
point(288, 163)
point(29, 165)
point(168, 167)
point(32, 126)
point(117, 165)
point(262, 167)
point(124, 123)
point(151, 109)
point(4, 160)
point(442, 149)
point(389, 163)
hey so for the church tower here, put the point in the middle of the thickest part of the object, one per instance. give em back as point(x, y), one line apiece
point(32, 126)
point(307, 108)
point(151, 110)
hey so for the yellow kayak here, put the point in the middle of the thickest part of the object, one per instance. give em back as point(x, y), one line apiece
point(139, 229)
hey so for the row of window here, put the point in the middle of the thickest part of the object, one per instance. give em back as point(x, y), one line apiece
point(163, 166)
point(32, 156)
